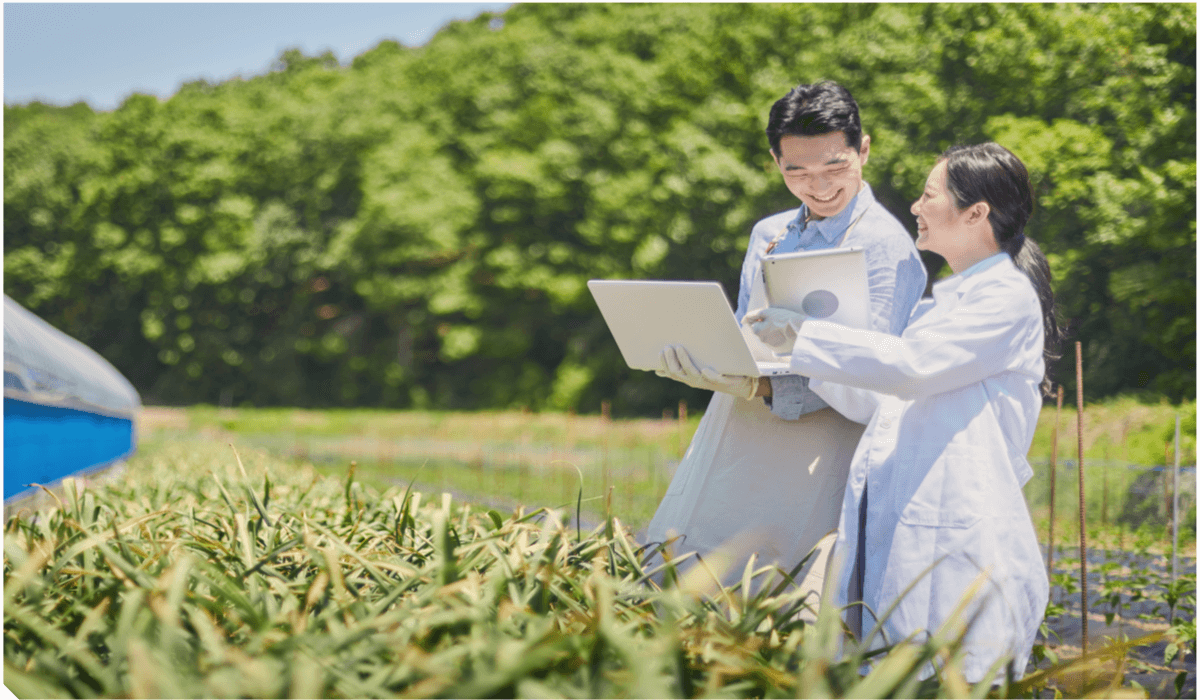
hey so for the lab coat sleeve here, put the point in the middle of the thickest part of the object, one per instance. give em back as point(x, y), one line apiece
point(992, 328)
point(856, 404)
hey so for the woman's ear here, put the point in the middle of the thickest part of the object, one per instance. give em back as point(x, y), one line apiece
point(978, 213)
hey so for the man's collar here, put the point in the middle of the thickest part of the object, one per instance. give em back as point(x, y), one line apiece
point(833, 227)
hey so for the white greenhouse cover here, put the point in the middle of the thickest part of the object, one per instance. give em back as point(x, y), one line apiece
point(45, 366)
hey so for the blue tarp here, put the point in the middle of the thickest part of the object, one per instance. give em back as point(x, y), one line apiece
point(42, 444)
point(67, 410)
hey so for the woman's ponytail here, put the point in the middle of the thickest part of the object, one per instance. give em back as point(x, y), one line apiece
point(1028, 257)
point(990, 173)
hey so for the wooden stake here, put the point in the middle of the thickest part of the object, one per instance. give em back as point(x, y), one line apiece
point(1175, 518)
point(1053, 464)
point(1083, 582)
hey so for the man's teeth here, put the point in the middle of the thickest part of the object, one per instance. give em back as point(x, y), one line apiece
point(828, 199)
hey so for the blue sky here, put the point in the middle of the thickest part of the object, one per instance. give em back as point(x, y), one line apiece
point(61, 53)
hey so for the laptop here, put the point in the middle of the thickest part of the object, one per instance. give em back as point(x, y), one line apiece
point(646, 315)
point(830, 285)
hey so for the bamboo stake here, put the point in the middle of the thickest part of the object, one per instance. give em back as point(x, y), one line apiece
point(1083, 583)
point(1053, 464)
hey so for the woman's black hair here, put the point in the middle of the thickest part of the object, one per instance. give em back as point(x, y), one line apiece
point(990, 173)
point(815, 110)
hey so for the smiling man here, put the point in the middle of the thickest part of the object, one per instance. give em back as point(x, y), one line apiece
point(766, 470)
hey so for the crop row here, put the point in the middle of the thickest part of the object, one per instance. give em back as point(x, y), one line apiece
point(192, 577)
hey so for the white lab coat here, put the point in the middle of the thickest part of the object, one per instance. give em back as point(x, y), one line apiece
point(950, 409)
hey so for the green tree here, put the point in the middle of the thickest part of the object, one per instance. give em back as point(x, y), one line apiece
point(417, 228)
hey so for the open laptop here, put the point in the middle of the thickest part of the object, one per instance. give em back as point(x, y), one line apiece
point(646, 315)
point(830, 284)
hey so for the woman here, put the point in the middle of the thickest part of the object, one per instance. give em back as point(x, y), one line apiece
point(933, 499)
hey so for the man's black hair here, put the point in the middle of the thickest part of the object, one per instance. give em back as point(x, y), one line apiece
point(814, 110)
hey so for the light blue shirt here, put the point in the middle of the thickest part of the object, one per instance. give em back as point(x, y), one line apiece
point(895, 275)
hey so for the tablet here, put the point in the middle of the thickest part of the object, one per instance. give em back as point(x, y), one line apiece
point(830, 285)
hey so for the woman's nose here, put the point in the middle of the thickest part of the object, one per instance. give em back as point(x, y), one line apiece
point(915, 208)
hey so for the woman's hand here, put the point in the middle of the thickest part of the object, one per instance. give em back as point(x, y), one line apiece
point(676, 363)
point(775, 326)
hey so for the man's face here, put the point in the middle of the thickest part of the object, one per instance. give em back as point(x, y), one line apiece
point(822, 171)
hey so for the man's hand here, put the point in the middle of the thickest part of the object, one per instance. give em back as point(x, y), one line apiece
point(776, 327)
point(676, 363)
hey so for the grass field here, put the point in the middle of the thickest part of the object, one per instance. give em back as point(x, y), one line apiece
point(501, 458)
point(506, 458)
point(201, 571)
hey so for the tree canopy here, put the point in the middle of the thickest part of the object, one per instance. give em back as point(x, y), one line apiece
point(416, 229)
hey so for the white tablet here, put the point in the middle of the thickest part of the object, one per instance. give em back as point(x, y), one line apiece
point(830, 284)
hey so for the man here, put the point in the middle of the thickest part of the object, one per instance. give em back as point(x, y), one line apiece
point(766, 470)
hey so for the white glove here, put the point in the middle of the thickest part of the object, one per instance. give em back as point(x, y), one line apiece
point(776, 327)
point(676, 363)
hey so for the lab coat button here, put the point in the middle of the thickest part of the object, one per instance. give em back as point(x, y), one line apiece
point(885, 423)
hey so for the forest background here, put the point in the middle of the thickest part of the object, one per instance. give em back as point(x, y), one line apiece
point(416, 229)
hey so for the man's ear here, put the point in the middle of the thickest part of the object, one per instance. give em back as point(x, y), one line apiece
point(864, 150)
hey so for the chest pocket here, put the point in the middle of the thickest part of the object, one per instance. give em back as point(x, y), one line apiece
point(946, 489)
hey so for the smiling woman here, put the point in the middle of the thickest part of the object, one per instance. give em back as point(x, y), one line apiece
point(933, 507)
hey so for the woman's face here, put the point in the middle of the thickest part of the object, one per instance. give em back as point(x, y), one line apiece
point(961, 236)
point(937, 217)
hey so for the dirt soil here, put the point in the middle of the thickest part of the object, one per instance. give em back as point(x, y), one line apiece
point(1139, 619)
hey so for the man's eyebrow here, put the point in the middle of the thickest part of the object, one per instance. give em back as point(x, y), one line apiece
point(836, 160)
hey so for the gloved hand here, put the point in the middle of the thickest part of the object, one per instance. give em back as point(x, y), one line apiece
point(776, 327)
point(677, 364)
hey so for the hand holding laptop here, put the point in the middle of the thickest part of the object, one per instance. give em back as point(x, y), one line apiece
point(677, 364)
point(646, 316)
